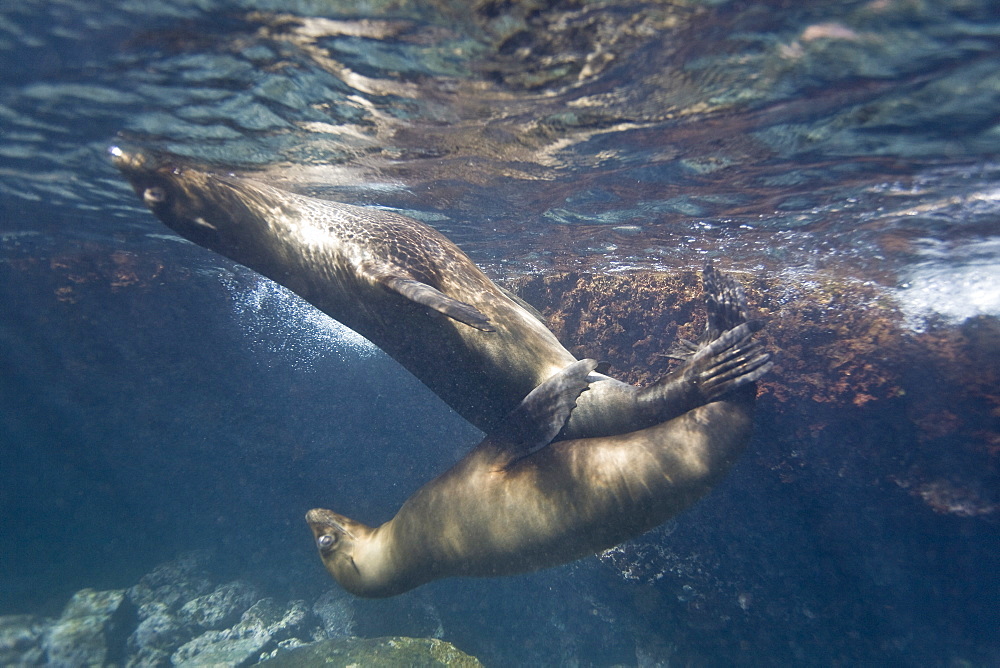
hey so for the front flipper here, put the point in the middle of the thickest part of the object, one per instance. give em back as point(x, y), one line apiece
point(431, 297)
point(541, 415)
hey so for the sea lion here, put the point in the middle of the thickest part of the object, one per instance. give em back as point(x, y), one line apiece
point(519, 502)
point(411, 292)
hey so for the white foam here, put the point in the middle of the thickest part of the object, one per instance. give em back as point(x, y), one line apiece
point(953, 282)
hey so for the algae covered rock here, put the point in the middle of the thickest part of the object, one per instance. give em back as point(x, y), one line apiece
point(219, 608)
point(265, 624)
point(176, 616)
point(336, 613)
point(156, 636)
point(87, 633)
point(157, 597)
point(172, 584)
point(385, 652)
point(20, 640)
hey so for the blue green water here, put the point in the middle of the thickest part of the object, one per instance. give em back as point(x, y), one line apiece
point(156, 398)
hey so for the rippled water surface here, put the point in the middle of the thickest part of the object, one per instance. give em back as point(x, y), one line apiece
point(856, 137)
point(853, 141)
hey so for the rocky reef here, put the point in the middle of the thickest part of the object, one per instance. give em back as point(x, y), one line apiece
point(176, 616)
point(845, 355)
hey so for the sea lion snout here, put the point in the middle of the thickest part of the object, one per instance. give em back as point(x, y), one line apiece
point(316, 515)
point(338, 539)
point(125, 158)
point(135, 163)
point(329, 528)
point(323, 524)
point(145, 172)
point(329, 532)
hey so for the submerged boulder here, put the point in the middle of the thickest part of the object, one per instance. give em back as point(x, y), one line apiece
point(89, 632)
point(336, 614)
point(260, 628)
point(156, 636)
point(219, 608)
point(385, 652)
point(21, 640)
point(176, 602)
point(171, 584)
point(176, 616)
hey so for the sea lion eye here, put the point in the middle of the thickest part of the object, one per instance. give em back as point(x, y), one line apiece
point(326, 541)
point(154, 195)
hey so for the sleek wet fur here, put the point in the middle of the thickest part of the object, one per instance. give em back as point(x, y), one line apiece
point(520, 502)
point(411, 292)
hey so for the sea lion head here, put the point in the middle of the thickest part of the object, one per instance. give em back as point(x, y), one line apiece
point(338, 539)
point(200, 206)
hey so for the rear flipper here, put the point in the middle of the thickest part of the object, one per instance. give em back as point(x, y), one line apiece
point(731, 361)
point(725, 357)
point(725, 302)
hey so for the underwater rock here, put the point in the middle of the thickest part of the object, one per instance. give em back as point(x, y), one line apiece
point(220, 608)
point(336, 614)
point(385, 652)
point(156, 637)
point(20, 640)
point(279, 621)
point(845, 353)
point(198, 624)
point(157, 596)
point(265, 623)
point(87, 633)
point(171, 584)
point(284, 645)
